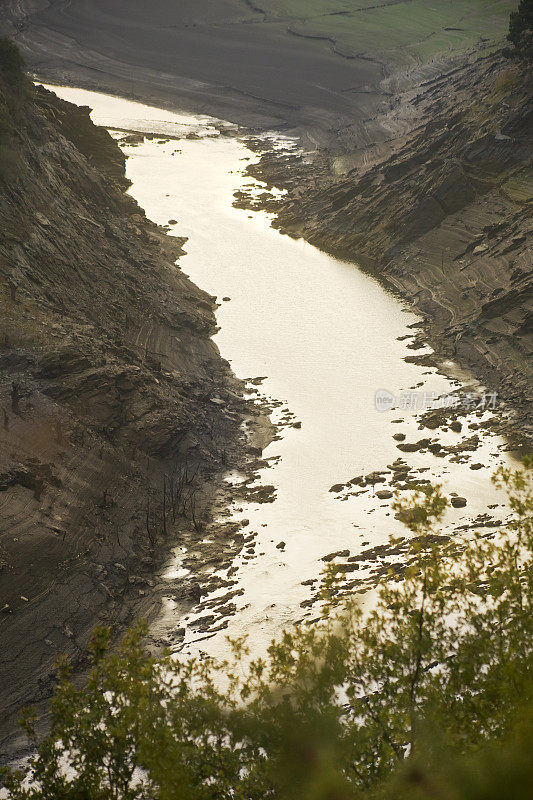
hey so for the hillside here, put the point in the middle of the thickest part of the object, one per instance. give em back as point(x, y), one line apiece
point(107, 376)
point(314, 65)
point(441, 213)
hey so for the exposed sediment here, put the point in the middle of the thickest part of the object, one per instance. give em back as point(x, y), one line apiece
point(118, 414)
point(441, 213)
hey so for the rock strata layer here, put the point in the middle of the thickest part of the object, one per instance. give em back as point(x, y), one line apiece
point(441, 212)
point(108, 425)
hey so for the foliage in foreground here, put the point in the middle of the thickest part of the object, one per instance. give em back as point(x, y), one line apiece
point(428, 695)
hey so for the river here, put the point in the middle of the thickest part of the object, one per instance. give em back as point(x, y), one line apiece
point(327, 337)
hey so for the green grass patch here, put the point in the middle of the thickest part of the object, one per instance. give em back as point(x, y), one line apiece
point(400, 31)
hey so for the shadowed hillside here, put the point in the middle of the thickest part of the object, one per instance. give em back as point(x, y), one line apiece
point(107, 371)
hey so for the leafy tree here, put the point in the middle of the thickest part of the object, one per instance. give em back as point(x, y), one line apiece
point(521, 29)
point(13, 87)
point(11, 61)
point(426, 695)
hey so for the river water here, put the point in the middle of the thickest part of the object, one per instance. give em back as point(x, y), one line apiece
point(325, 335)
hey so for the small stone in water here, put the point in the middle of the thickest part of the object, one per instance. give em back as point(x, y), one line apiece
point(458, 502)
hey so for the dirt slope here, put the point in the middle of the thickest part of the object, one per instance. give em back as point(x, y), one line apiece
point(107, 380)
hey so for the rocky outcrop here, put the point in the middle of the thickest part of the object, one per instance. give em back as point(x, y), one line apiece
point(109, 381)
point(441, 213)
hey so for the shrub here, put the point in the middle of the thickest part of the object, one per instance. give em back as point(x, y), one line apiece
point(521, 29)
point(11, 61)
point(427, 695)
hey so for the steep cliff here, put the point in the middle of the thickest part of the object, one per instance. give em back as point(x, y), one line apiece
point(107, 380)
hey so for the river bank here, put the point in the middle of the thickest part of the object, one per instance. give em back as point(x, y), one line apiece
point(119, 415)
point(313, 67)
point(442, 216)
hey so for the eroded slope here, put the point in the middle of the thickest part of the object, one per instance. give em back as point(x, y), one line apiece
point(442, 212)
point(107, 380)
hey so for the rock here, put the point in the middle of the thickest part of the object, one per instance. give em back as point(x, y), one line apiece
point(458, 502)
point(336, 554)
point(476, 466)
point(384, 494)
point(173, 222)
point(337, 487)
point(400, 437)
point(456, 426)
point(226, 299)
point(435, 448)
point(133, 138)
point(413, 447)
point(432, 419)
point(281, 545)
point(42, 219)
point(374, 477)
point(63, 361)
